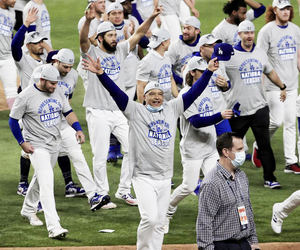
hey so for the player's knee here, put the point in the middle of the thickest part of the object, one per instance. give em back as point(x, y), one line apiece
point(189, 187)
point(150, 221)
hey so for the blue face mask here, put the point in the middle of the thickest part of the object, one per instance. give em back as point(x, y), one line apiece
point(154, 109)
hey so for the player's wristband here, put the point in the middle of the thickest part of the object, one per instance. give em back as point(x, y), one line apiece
point(284, 87)
point(76, 126)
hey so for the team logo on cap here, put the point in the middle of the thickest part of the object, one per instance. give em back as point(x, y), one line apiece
point(220, 51)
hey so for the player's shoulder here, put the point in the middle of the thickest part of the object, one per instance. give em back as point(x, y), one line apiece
point(294, 26)
point(219, 26)
point(267, 27)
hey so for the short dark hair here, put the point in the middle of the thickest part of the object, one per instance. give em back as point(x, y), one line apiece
point(225, 141)
point(230, 6)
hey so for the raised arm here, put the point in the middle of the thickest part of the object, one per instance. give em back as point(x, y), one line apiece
point(144, 27)
point(257, 7)
point(198, 122)
point(199, 86)
point(117, 94)
point(90, 14)
point(18, 40)
point(191, 5)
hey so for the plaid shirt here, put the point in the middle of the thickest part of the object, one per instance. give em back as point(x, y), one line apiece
point(218, 218)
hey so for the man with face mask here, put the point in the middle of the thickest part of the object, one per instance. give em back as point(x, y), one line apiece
point(151, 140)
point(225, 219)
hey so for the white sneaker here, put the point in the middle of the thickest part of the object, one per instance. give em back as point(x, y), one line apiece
point(109, 205)
point(276, 221)
point(128, 198)
point(58, 233)
point(33, 219)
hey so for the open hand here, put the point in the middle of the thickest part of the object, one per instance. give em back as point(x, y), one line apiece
point(92, 65)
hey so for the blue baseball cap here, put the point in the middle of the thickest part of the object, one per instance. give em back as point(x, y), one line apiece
point(223, 51)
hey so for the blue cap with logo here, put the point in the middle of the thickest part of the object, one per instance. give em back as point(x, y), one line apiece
point(223, 52)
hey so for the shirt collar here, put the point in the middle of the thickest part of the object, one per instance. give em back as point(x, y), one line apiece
point(225, 172)
point(190, 44)
point(119, 26)
point(283, 26)
point(239, 47)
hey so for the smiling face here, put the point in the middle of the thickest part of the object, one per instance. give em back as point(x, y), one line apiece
point(189, 33)
point(116, 17)
point(64, 68)
point(154, 97)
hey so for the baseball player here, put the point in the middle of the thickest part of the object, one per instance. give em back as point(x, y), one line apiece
point(102, 114)
point(26, 62)
point(170, 16)
point(182, 50)
point(152, 136)
point(281, 210)
point(8, 70)
point(197, 146)
point(280, 39)
point(227, 30)
point(145, 9)
point(42, 24)
point(41, 109)
point(69, 147)
point(245, 73)
point(156, 66)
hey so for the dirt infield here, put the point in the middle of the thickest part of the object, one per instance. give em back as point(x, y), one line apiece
point(263, 246)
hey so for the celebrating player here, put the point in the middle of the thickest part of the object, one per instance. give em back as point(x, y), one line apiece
point(102, 113)
point(244, 70)
point(41, 109)
point(280, 39)
point(151, 140)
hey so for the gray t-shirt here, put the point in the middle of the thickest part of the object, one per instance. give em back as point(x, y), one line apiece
point(43, 22)
point(41, 115)
point(281, 46)
point(228, 32)
point(245, 71)
point(152, 137)
point(197, 143)
point(154, 67)
point(180, 53)
point(7, 23)
point(65, 85)
point(26, 66)
point(96, 95)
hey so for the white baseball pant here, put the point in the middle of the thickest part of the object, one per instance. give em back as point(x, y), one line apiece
point(190, 176)
point(101, 123)
point(284, 113)
point(153, 197)
point(172, 24)
point(41, 187)
point(289, 204)
point(8, 77)
point(184, 12)
point(83, 74)
point(69, 146)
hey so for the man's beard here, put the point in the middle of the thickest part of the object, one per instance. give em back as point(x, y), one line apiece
point(237, 21)
point(108, 47)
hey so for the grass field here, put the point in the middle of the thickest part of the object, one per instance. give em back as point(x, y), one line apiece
point(83, 225)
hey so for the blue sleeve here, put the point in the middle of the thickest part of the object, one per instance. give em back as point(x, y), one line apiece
point(144, 42)
point(136, 14)
point(198, 122)
point(31, 28)
point(15, 129)
point(259, 11)
point(299, 124)
point(196, 90)
point(177, 78)
point(223, 127)
point(117, 94)
point(17, 43)
point(68, 112)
